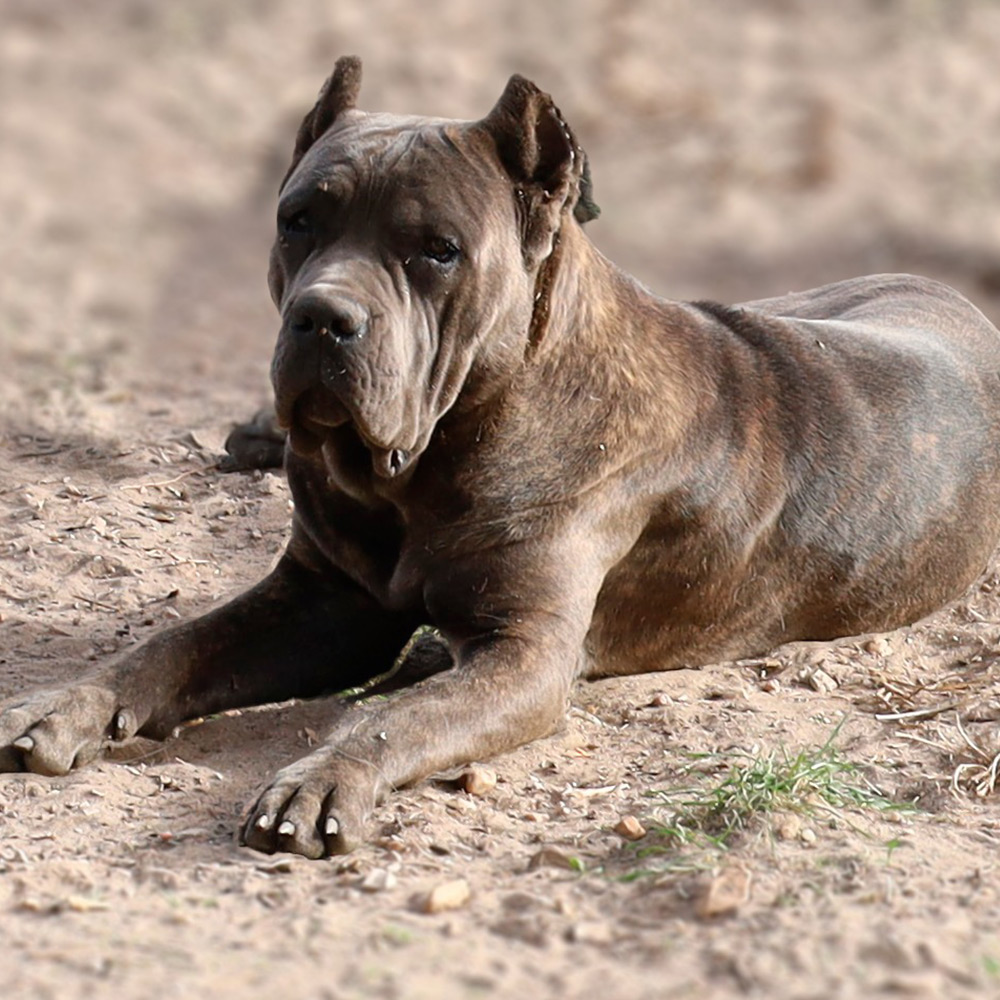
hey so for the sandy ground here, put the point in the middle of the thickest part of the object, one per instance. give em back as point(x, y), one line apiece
point(739, 150)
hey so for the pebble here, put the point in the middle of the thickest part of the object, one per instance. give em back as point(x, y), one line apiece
point(817, 679)
point(878, 647)
point(725, 894)
point(478, 780)
point(787, 826)
point(446, 896)
point(591, 932)
point(378, 880)
point(630, 828)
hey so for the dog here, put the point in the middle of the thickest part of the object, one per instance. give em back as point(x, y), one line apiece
point(494, 431)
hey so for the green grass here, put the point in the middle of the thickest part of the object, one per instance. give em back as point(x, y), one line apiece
point(746, 788)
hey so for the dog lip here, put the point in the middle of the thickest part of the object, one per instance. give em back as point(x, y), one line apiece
point(308, 419)
point(389, 460)
point(314, 409)
point(311, 416)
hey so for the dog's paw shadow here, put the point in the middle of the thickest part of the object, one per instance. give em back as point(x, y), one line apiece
point(247, 744)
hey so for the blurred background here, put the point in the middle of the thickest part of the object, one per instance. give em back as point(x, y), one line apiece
point(740, 148)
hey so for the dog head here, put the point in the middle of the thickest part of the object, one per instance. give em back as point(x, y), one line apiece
point(406, 262)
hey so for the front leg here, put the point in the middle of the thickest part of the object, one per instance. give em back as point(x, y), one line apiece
point(298, 633)
point(499, 697)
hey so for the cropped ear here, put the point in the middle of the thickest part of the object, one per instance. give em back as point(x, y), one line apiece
point(337, 95)
point(542, 157)
point(586, 209)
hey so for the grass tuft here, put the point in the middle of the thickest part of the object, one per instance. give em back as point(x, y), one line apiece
point(752, 786)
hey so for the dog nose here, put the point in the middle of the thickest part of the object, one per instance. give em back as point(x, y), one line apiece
point(321, 314)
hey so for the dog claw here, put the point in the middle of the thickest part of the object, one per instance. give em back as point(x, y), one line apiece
point(332, 827)
point(263, 822)
point(287, 829)
point(25, 743)
point(125, 725)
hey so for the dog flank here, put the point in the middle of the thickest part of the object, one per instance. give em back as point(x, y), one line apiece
point(495, 431)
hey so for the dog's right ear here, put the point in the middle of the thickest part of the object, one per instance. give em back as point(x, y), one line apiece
point(338, 94)
point(539, 152)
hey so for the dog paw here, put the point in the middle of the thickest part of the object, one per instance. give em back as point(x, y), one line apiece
point(315, 807)
point(257, 444)
point(52, 732)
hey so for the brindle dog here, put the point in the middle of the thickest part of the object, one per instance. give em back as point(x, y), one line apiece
point(494, 430)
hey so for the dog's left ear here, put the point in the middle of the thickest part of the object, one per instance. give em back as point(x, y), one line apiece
point(337, 95)
point(539, 151)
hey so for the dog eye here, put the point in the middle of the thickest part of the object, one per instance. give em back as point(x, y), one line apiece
point(441, 250)
point(298, 224)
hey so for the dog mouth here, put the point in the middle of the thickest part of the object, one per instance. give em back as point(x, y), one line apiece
point(316, 414)
point(309, 419)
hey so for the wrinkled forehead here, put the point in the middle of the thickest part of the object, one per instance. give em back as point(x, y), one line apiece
point(382, 156)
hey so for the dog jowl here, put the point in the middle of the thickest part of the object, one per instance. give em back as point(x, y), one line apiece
point(494, 431)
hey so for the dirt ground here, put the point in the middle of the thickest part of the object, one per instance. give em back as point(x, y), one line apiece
point(739, 149)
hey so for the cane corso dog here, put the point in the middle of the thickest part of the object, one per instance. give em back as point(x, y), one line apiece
point(494, 431)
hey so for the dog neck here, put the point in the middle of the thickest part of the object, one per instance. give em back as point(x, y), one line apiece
point(578, 292)
point(595, 324)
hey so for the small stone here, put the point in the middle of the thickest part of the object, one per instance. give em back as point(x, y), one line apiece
point(818, 679)
point(771, 686)
point(808, 837)
point(378, 880)
point(478, 780)
point(878, 646)
point(591, 932)
point(446, 896)
point(787, 826)
point(630, 828)
point(725, 894)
